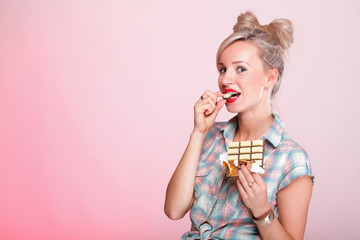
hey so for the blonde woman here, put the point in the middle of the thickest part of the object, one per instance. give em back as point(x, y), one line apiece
point(274, 205)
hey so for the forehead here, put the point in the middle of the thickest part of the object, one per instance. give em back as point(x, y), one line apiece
point(241, 51)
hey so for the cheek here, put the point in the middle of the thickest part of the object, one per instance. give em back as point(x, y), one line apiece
point(259, 81)
point(220, 82)
point(255, 88)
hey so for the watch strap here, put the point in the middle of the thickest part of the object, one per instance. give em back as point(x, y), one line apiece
point(267, 220)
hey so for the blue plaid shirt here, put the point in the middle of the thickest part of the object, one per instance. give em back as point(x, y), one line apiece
point(218, 213)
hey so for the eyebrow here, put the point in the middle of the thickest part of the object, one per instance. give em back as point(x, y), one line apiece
point(235, 62)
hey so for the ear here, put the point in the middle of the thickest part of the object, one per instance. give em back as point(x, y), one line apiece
point(272, 77)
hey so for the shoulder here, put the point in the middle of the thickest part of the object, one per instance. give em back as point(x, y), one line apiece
point(294, 151)
point(285, 146)
point(296, 161)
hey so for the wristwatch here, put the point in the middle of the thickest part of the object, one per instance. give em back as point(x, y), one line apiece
point(267, 220)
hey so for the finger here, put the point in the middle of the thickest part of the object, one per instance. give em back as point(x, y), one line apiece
point(209, 94)
point(219, 105)
point(212, 105)
point(207, 102)
point(203, 108)
point(243, 194)
point(202, 97)
point(258, 179)
point(243, 181)
point(219, 94)
point(247, 173)
point(248, 166)
point(212, 95)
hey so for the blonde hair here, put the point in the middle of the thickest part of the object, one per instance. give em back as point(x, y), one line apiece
point(272, 41)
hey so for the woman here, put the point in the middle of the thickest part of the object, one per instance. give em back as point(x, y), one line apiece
point(250, 206)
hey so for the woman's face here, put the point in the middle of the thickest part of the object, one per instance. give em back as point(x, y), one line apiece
point(241, 70)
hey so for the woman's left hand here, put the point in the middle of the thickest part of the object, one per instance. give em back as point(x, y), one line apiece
point(253, 191)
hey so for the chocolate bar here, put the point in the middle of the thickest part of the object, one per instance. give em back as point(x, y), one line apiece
point(229, 95)
point(243, 152)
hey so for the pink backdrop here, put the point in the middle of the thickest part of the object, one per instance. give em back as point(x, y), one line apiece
point(96, 101)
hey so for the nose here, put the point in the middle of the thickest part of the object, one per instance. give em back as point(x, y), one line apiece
point(227, 79)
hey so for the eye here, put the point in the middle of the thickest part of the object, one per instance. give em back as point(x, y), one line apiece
point(222, 70)
point(240, 69)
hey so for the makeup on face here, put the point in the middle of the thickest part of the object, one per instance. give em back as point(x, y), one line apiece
point(230, 95)
point(241, 77)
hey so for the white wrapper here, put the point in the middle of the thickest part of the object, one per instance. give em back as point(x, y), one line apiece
point(223, 157)
point(255, 168)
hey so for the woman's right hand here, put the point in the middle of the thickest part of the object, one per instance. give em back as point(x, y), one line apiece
point(180, 191)
point(205, 111)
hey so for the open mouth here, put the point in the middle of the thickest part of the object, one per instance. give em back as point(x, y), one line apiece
point(230, 95)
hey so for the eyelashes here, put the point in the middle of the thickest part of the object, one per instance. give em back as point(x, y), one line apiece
point(222, 70)
point(239, 69)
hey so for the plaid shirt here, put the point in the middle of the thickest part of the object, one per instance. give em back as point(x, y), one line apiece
point(218, 213)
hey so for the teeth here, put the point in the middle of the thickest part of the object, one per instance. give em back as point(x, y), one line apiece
point(229, 95)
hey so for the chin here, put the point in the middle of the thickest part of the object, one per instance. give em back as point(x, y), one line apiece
point(234, 109)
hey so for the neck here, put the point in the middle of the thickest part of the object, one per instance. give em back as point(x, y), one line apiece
point(253, 125)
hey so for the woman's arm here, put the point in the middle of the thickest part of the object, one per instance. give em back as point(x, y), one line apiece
point(293, 203)
point(179, 193)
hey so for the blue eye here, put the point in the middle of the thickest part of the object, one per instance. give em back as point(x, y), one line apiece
point(222, 70)
point(241, 69)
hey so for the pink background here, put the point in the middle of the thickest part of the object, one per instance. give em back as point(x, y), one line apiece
point(96, 102)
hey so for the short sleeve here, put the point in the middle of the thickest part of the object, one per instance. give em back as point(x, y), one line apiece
point(296, 165)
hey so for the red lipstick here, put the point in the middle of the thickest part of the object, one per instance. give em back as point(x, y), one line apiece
point(230, 95)
point(231, 100)
point(229, 90)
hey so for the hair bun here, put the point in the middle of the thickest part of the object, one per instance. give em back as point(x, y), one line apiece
point(281, 30)
point(246, 21)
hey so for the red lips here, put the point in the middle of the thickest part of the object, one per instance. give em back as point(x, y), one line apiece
point(229, 90)
point(231, 100)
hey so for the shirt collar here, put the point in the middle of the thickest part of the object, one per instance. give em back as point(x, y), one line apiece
point(273, 135)
point(275, 132)
point(227, 130)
